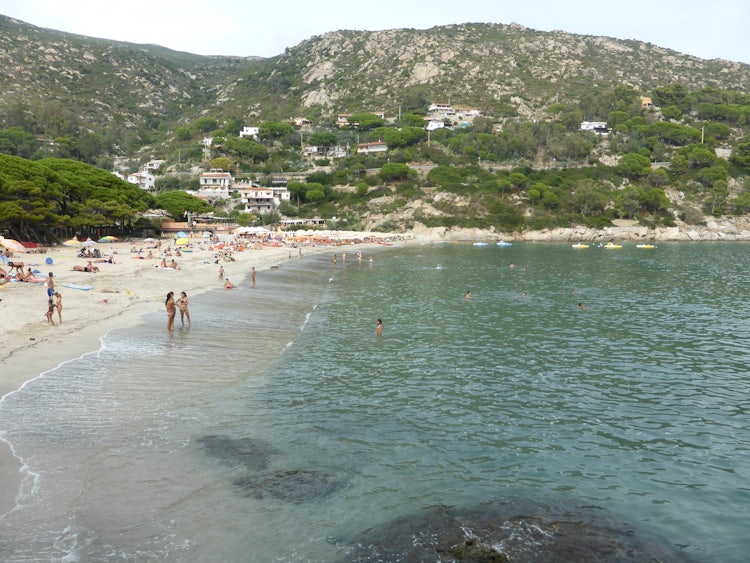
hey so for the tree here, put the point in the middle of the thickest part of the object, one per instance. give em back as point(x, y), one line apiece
point(366, 121)
point(223, 163)
point(269, 130)
point(634, 165)
point(315, 195)
point(322, 139)
point(205, 124)
point(170, 183)
point(394, 171)
point(178, 203)
point(587, 199)
point(718, 197)
point(412, 120)
point(741, 155)
point(654, 199)
point(18, 142)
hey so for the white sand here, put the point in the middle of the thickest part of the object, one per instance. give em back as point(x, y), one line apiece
point(121, 294)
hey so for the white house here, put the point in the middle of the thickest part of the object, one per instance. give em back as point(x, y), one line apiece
point(432, 123)
point(333, 151)
point(378, 147)
point(445, 109)
point(216, 178)
point(152, 165)
point(215, 185)
point(257, 199)
point(598, 127)
point(143, 180)
point(250, 132)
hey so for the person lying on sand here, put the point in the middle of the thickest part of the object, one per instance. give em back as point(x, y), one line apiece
point(87, 268)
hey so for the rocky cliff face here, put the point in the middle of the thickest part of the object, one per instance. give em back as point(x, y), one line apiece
point(723, 229)
point(486, 63)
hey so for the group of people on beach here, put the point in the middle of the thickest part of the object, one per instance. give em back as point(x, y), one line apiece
point(173, 305)
point(54, 300)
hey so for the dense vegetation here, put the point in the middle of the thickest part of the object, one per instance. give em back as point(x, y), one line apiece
point(524, 164)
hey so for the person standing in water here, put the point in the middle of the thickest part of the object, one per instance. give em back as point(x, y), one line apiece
point(379, 329)
point(252, 276)
point(182, 304)
point(171, 310)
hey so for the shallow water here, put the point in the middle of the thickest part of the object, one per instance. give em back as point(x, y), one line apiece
point(280, 428)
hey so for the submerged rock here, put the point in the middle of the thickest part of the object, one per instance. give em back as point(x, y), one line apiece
point(519, 531)
point(237, 452)
point(292, 486)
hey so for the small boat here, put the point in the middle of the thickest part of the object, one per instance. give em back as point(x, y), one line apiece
point(612, 246)
point(480, 244)
point(645, 246)
point(579, 245)
point(504, 243)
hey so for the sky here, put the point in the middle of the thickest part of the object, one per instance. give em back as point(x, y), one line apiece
point(706, 29)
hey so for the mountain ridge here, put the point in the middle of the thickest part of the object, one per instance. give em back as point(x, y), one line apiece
point(138, 94)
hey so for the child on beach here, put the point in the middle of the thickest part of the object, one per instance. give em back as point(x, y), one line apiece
point(50, 311)
point(58, 306)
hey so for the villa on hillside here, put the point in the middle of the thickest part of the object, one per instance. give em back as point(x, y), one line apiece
point(143, 180)
point(153, 165)
point(214, 186)
point(333, 151)
point(376, 147)
point(598, 127)
point(250, 132)
point(261, 199)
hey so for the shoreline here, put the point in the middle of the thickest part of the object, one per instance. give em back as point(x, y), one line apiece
point(122, 294)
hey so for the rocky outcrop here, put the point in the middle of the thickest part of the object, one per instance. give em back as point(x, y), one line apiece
point(723, 229)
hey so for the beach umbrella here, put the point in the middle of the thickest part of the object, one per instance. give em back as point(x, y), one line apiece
point(72, 242)
point(148, 240)
point(109, 238)
point(12, 245)
point(181, 241)
point(89, 242)
point(181, 234)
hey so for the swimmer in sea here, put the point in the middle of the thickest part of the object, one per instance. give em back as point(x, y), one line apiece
point(379, 329)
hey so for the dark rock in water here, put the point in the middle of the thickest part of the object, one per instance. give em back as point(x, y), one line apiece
point(237, 452)
point(519, 531)
point(292, 486)
point(474, 550)
point(258, 482)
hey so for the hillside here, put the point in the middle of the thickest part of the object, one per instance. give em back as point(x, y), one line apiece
point(57, 81)
point(498, 68)
point(524, 164)
point(51, 77)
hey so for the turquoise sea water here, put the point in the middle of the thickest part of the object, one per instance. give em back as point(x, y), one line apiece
point(280, 428)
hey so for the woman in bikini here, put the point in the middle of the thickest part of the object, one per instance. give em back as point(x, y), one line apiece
point(171, 310)
point(182, 303)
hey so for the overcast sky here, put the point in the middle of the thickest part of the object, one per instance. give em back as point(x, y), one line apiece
point(707, 29)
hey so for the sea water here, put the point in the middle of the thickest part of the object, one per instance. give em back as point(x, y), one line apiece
point(279, 427)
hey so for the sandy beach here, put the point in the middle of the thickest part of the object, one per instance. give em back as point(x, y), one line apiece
point(120, 294)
